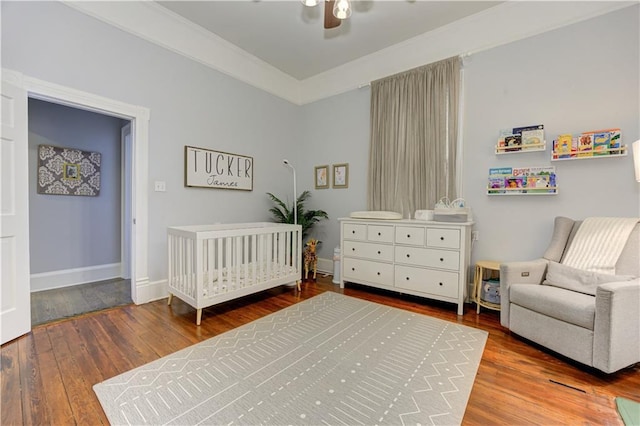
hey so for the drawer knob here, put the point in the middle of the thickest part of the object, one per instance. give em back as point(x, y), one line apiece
point(353, 269)
point(353, 232)
point(441, 238)
point(378, 273)
point(441, 260)
point(440, 283)
point(407, 278)
point(408, 255)
point(408, 235)
point(379, 234)
point(353, 249)
point(378, 251)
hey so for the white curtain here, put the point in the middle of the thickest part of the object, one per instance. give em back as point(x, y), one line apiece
point(414, 138)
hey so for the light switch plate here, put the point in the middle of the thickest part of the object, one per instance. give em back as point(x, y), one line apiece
point(160, 186)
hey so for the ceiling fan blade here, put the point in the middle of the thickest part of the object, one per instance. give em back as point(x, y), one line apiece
point(330, 21)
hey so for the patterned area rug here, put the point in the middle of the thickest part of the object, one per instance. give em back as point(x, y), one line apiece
point(332, 359)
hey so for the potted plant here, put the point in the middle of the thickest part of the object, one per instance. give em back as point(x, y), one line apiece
point(282, 213)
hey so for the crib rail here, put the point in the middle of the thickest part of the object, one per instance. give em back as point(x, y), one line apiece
point(212, 263)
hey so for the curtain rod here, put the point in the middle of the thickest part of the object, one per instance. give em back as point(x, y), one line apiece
point(463, 57)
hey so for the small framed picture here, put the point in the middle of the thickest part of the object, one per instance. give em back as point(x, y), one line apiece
point(71, 171)
point(341, 175)
point(322, 177)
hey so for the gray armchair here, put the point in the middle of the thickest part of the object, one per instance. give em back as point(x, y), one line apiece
point(588, 317)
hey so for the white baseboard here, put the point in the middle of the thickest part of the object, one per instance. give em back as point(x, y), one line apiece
point(69, 277)
point(151, 291)
point(325, 266)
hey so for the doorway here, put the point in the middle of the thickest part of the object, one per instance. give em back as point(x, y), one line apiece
point(79, 233)
point(15, 315)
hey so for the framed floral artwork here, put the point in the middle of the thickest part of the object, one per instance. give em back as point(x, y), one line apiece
point(68, 171)
point(322, 177)
point(341, 175)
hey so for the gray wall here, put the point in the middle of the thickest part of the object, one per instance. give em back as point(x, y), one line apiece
point(190, 104)
point(336, 130)
point(68, 232)
point(572, 79)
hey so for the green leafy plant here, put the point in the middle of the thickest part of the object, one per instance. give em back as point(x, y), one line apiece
point(283, 213)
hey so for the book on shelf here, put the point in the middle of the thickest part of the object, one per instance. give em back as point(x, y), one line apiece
point(496, 184)
point(525, 180)
point(564, 147)
point(513, 143)
point(601, 143)
point(585, 145)
point(516, 183)
point(532, 137)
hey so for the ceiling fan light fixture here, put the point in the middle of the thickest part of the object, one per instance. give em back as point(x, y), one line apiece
point(342, 9)
point(310, 3)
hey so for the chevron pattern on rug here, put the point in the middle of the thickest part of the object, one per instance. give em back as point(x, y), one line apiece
point(331, 359)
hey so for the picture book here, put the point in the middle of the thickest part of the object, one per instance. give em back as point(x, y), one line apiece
point(532, 139)
point(519, 130)
point(601, 143)
point(496, 184)
point(563, 146)
point(585, 145)
point(515, 184)
point(539, 184)
point(513, 143)
point(614, 141)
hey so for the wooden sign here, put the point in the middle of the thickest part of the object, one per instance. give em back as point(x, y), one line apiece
point(205, 168)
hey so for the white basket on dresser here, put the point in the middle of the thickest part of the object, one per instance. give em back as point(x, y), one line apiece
point(422, 258)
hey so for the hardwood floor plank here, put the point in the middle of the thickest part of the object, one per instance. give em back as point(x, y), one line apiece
point(52, 385)
point(513, 385)
point(33, 400)
point(10, 396)
point(77, 375)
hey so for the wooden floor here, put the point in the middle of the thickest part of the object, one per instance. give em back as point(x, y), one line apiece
point(47, 375)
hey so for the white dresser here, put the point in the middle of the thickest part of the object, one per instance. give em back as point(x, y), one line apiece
point(428, 259)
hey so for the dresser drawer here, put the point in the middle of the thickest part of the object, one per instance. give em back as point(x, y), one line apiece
point(380, 233)
point(368, 250)
point(355, 231)
point(428, 281)
point(367, 270)
point(431, 258)
point(444, 238)
point(410, 235)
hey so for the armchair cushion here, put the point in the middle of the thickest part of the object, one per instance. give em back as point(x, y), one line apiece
point(562, 227)
point(563, 276)
point(564, 305)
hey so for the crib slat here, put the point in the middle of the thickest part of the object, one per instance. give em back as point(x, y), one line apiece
point(211, 250)
point(220, 264)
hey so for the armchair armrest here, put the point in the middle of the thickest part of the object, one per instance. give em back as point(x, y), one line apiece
point(528, 272)
point(616, 333)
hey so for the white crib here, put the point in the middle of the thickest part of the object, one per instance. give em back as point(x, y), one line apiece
point(211, 264)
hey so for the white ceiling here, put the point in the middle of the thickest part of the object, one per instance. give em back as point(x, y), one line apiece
point(282, 48)
point(291, 37)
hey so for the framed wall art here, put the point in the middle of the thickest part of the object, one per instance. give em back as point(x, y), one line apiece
point(322, 177)
point(205, 168)
point(341, 175)
point(68, 171)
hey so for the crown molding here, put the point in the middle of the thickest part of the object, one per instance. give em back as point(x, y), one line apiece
point(158, 25)
point(490, 28)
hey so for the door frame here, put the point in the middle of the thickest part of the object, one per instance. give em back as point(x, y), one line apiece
point(126, 217)
point(139, 118)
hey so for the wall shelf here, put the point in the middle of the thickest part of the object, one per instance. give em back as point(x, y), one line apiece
point(501, 150)
point(613, 153)
point(522, 181)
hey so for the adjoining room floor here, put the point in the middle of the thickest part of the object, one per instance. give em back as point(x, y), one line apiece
point(52, 305)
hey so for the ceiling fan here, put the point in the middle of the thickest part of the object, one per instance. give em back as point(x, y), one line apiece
point(334, 11)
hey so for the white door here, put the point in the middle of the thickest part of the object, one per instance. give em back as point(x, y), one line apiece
point(15, 301)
